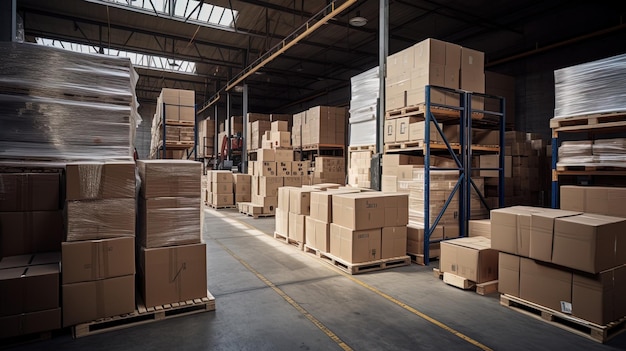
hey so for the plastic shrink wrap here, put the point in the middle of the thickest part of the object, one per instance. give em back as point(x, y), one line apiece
point(364, 90)
point(58, 105)
point(593, 153)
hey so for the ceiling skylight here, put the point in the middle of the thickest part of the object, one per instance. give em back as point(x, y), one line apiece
point(140, 60)
point(194, 11)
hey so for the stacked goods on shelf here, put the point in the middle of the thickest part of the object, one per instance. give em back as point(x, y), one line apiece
point(363, 103)
point(592, 153)
point(90, 110)
point(359, 164)
point(220, 189)
point(433, 62)
point(324, 125)
point(175, 117)
point(206, 138)
point(568, 261)
point(31, 224)
point(256, 131)
point(296, 129)
point(172, 259)
point(327, 169)
point(98, 254)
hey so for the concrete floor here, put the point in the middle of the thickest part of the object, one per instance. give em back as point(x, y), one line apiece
point(270, 296)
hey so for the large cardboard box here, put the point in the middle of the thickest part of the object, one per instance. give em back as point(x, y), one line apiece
point(170, 221)
point(30, 323)
point(283, 169)
point(322, 205)
point(393, 242)
point(510, 229)
point(28, 232)
point(508, 274)
point(101, 219)
point(161, 178)
point(589, 242)
point(265, 155)
point(470, 258)
point(359, 211)
point(597, 199)
point(88, 301)
point(355, 246)
point(317, 234)
point(546, 285)
point(242, 183)
point(396, 209)
point(542, 233)
point(480, 227)
point(297, 227)
point(218, 176)
point(415, 240)
point(300, 201)
point(220, 200)
point(100, 180)
point(97, 259)
point(29, 192)
point(493, 161)
point(222, 188)
point(599, 298)
point(29, 289)
point(282, 222)
point(173, 274)
point(187, 97)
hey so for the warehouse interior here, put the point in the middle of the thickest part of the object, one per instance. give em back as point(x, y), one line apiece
point(180, 200)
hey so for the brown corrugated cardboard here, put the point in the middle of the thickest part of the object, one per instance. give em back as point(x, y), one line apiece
point(161, 178)
point(470, 258)
point(97, 259)
point(394, 160)
point(396, 209)
point(173, 274)
point(29, 192)
point(283, 155)
point(545, 285)
point(265, 155)
point(597, 199)
point(280, 126)
point(187, 97)
point(283, 169)
point(29, 289)
point(480, 227)
point(510, 229)
point(589, 242)
point(317, 234)
point(28, 232)
point(293, 181)
point(297, 227)
point(359, 211)
point(403, 126)
point(284, 197)
point(268, 203)
point(88, 301)
point(242, 183)
point(429, 51)
point(508, 274)
point(222, 188)
point(268, 186)
point(300, 201)
point(282, 222)
point(221, 176)
point(390, 131)
point(599, 298)
point(170, 96)
point(280, 139)
point(267, 169)
point(542, 233)
point(355, 246)
point(393, 242)
point(100, 219)
point(222, 199)
point(321, 203)
point(29, 323)
point(167, 221)
point(243, 198)
point(493, 161)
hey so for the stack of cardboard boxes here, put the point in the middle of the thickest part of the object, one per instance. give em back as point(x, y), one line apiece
point(176, 114)
point(242, 187)
point(31, 224)
point(220, 189)
point(319, 126)
point(98, 255)
point(172, 259)
point(235, 123)
point(317, 224)
point(206, 138)
point(328, 169)
point(567, 260)
point(359, 168)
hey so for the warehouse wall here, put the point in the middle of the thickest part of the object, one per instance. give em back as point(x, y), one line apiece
point(142, 140)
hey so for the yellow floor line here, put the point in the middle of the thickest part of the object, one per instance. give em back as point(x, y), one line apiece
point(287, 298)
point(387, 297)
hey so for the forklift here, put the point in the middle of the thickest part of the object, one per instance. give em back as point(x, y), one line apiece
point(234, 159)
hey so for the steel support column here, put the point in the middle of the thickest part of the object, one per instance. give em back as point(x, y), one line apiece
point(383, 49)
point(8, 20)
point(244, 149)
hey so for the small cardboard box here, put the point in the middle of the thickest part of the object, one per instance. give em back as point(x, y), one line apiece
point(268, 186)
point(88, 301)
point(30, 192)
point(29, 289)
point(222, 188)
point(220, 200)
point(265, 155)
point(317, 234)
point(300, 201)
point(267, 169)
point(322, 205)
point(97, 259)
point(470, 258)
point(221, 176)
point(355, 246)
point(173, 274)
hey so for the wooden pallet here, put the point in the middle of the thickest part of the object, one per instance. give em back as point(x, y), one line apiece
point(257, 215)
point(175, 122)
point(289, 241)
point(143, 315)
point(220, 207)
point(362, 148)
point(441, 113)
point(323, 146)
point(356, 268)
point(407, 145)
point(419, 258)
point(596, 332)
point(176, 145)
point(485, 288)
point(590, 168)
point(596, 120)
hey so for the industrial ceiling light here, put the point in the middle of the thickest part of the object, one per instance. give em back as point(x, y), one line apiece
point(358, 21)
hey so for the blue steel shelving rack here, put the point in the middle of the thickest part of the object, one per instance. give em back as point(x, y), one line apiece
point(463, 159)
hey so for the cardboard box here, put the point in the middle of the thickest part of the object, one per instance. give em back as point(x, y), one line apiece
point(268, 203)
point(390, 131)
point(267, 169)
point(481, 227)
point(283, 169)
point(101, 219)
point(599, 298)
point(187, 97)
point(170, 221)
point(220, 200)
point(221, 176)
point(510, 229)
point(359, 211)
point(265, 155)
point(300, 201)
point(30, 323)
point(282, 222)
point(222, 188)
point(243, 198)
point(493, 161)
point(470, 258)
point(542, 226)
point(29, 289)
point(280, 139)
point(393, 242)
point(170, 96)
point(355, 246)
point(393, 160)
point(280, 126)
point(242, 183)
point(97, 259)
point(293, 181)
point(173, 274)
point(589, 242)
point(598, 199)
point(29, 192)
point(508, 274)
point(297, 227)
point(300, 168)
point(30, 260)
point(284, 197)
point(403, 126)
point(28, 232)
point(545, 284)
point(100, 180)
point(396, 209)
point(283, 155)
point(88, 301)
point(268, 186)
point(321, 204)
point(317, 234)
point(429, 51)
point(162, 178)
